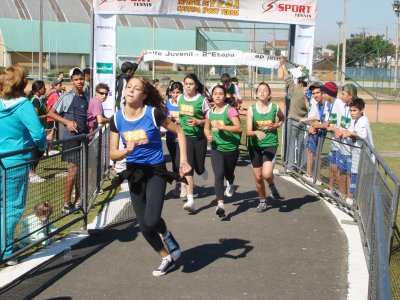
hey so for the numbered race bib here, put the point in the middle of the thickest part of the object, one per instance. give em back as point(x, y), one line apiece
point(215, 123)
point(187, 110)
point(136, 136)
point(261, 125)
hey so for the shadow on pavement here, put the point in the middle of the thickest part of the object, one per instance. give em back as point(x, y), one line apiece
point(296, 203)
point(198, 257)
point(32, 284)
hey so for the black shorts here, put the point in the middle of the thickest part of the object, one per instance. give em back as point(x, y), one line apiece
point(196, 153)
point(260, 155)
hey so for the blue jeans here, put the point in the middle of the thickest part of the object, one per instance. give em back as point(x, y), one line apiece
point(14, 195)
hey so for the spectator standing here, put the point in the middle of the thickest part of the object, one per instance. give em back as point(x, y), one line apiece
point(20, 128)
point(36, 96)
point(128, 69)
point(88, 79)
point(71, 112)
point(95, 110)
point(52, 98)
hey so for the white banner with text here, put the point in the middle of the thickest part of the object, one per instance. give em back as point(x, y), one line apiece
point(213, 58)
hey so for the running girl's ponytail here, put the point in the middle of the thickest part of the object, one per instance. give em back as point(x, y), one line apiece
point(153, 97)
point(199, 86)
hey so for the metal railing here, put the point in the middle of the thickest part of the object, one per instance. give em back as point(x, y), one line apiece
point(365, 187)
point(33, 193)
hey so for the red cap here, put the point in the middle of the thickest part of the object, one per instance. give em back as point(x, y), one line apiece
point(330, 88)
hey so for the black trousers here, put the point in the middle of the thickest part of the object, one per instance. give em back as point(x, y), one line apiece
point(147, 196)
point(196, 153)
point(171, 145)
point(223, 164)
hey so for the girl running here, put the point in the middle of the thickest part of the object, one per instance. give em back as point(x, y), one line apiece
point(193, 106)
point(222, 130)
point(263, 120)
point(174, 90)
point(138, 123)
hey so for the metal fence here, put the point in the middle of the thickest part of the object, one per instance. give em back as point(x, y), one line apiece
point(357, 179)
point(34, 194)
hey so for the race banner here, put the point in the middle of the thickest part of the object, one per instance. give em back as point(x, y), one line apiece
point(104, 46)
point(304, 46)
point(214, 58)
point(301, 12)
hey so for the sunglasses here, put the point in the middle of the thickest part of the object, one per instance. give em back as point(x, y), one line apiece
point(102, 93)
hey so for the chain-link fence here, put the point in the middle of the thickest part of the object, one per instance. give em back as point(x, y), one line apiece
point(355, 177)
point(50, 192)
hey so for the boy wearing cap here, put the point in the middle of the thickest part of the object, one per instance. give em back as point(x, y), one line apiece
point(333, 111)
point(71, 111)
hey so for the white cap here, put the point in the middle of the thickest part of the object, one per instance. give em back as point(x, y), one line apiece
point(73, 70)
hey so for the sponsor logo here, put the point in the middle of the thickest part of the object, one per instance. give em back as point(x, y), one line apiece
point(299, 10)
point(105, 27)
point(104, 68)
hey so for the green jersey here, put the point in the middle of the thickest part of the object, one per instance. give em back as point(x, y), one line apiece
point(260, 122)
point(223, 140)
point(189, 110)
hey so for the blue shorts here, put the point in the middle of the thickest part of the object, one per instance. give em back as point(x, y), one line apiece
point(353, 183)
point(344, 162)
point(312, 143)
point(333, 157)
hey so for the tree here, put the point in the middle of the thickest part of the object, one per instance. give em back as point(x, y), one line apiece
point(362, 50)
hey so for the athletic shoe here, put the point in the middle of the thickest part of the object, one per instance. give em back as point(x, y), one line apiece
point(274, 192)
point(204, 175)
point(329, 192)
point(165, 266)
point(172, 246)
point(349, 201)
point(189, 206)
point(68, 208)
point(34, 178)
point(183, 193)
point(220, 210)
point(307, 178)
point(230, 190)
point(12, 262)
point(262, 206)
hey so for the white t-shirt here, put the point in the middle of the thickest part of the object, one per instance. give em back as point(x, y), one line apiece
point(363, 130)
point(333, 114)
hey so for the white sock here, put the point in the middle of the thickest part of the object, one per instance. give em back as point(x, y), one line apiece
point(168, 257)
point(221, 204)
point(189, 198)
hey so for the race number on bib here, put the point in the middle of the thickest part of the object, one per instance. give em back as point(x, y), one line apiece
point(187, 110)
point(261, 125)
point(136, 136)
point(215, 124)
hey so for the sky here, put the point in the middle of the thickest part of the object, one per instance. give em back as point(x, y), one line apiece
point(371, 16)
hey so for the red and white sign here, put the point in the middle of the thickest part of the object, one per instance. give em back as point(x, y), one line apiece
point(300, 12)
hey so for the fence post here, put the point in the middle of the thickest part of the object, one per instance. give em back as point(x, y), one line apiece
point(317, 158)
point(99, 171)
point(84, 180)
point(3, 211)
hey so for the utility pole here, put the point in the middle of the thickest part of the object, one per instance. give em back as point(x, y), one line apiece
point(344, 44)
point(339, 23)
point(396, 9)
point(41, 41)
point(154, 42)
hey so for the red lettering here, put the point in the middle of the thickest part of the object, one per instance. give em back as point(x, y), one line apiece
point(302, 9)
point(287, 7)
point(281, 7)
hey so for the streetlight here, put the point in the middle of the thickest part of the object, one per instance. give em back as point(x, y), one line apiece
point(339, 23)
point(396, 9)
point(344, 45)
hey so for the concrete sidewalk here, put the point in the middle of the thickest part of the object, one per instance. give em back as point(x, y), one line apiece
point(296, 251)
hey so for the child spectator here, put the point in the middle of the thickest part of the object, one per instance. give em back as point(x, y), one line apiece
point(314, 119)
point(359, 128)
point(88, 78)
point(36, 226)
point(95, 110)
point(333, 112)
point(36, 96)
point(52, 98)
point(231, 92)
point(349, 92)
point(235, 83)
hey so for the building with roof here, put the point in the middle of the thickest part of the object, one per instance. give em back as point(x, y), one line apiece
point(67, 34)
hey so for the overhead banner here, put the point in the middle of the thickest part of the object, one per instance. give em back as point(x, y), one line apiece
point(214, 58)
point(104, 46)
point(302, 12)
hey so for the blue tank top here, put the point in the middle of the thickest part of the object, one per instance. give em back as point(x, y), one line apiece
point(173, 112)
point(145, 129)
